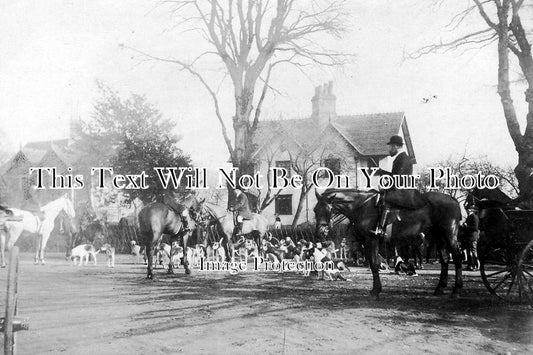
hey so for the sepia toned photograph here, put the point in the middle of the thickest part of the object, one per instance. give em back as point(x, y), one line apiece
point(266, 176)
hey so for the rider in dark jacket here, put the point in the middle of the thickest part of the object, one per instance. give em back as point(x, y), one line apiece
point(170, 200)
point(241, 208)
point(395, 197)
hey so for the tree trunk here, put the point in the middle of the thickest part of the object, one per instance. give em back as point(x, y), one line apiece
point(303, 193)
point(523, 143)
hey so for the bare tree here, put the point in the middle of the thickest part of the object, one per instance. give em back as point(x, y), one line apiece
point(463, 165)
point(503, 25)
point(251, 39)
point(270, 153)
point(304, 162)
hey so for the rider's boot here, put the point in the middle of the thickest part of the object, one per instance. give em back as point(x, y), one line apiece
point(237, 231)
point(185, 223)
point(380, 229)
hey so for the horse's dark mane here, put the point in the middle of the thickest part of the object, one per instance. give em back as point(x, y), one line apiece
point(334, 191)
point(341, 195)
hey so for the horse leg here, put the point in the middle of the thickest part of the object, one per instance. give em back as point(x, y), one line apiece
point(229, 248)
point(418, 257)
point(150, 258)
point(44, 240)
point(69, 242)
point(185, 259)
point(2, 248)
point(170, 269)
point(38, 248)
point(443, 279)
point(458, 269)
point(372, 246)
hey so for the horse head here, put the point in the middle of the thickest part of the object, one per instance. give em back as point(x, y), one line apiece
point(322, 211)
point(197, 211)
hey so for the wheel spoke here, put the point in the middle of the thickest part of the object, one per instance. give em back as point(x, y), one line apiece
point(496, 273)
point(496, 262)
point(526, 289)
point(527, 272)
point(501, 282)
point(519, 287)
point(511, 285)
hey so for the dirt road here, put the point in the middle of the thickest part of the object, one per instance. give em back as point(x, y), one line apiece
point(96, 310)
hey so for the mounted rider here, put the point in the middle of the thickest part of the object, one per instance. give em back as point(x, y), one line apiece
point(397, 198)
point(170, 199)
point(241, 209)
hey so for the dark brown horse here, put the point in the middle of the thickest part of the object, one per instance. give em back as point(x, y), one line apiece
point(65, 225)
point(156, 219)
point(441, 216)
point(95, 233)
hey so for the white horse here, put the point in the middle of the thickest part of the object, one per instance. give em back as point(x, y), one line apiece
point(41, 226)
point(258, 224)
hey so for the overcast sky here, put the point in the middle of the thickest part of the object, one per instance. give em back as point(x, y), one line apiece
point(52, 53)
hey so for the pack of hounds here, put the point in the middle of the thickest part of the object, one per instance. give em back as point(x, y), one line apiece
point(88, 251)
point(272, 249)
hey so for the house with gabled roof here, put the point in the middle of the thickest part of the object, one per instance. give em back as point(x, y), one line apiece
point(16, 182)
point(17, 185)
point(345, 144)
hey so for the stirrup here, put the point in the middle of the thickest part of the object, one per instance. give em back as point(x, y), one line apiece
point(378, 232)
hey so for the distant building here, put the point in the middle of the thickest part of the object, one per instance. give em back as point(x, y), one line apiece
point(17, 185)
point(16, 182)
point(342, 143)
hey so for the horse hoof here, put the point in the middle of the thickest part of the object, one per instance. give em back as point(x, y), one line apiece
point(188, 271)
point(149, 277)
point(438, 292)
point(3, 266)
point(374, 295)
point(455, 295)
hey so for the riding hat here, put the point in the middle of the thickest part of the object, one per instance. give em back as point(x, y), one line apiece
point(397, 140)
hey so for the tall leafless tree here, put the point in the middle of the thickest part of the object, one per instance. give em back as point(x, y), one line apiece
point(252, 38)
point(504, 26)
point(304, 161)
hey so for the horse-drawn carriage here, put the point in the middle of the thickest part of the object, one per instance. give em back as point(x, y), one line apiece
point(506, 254)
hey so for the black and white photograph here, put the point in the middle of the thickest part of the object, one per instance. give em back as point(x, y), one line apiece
point(266, 176)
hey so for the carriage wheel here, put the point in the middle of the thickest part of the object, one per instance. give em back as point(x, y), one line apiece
point(498, 270)
point(525, 274)
point(11, 302)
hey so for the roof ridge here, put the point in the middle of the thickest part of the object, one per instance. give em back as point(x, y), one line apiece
point(372, 113)
point(338, 116)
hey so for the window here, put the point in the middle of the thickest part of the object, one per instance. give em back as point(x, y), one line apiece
point(284, 204)
point(285, 164)
point(333, 164)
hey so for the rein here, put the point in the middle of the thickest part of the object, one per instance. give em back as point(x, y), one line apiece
point(212, 213)
point(337, 209)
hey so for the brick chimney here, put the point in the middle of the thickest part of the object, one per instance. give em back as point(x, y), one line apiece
point(324, 104)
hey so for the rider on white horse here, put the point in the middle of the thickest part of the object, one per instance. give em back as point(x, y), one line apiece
point(242, 210)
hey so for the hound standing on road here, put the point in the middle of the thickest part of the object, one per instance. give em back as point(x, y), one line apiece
point(110, 254)
point(83, 251)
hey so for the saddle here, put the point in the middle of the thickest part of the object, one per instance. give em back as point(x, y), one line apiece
point(404, 199)
point(41, 215)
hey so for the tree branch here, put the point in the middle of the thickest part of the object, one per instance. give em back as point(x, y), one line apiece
point(195, 73)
